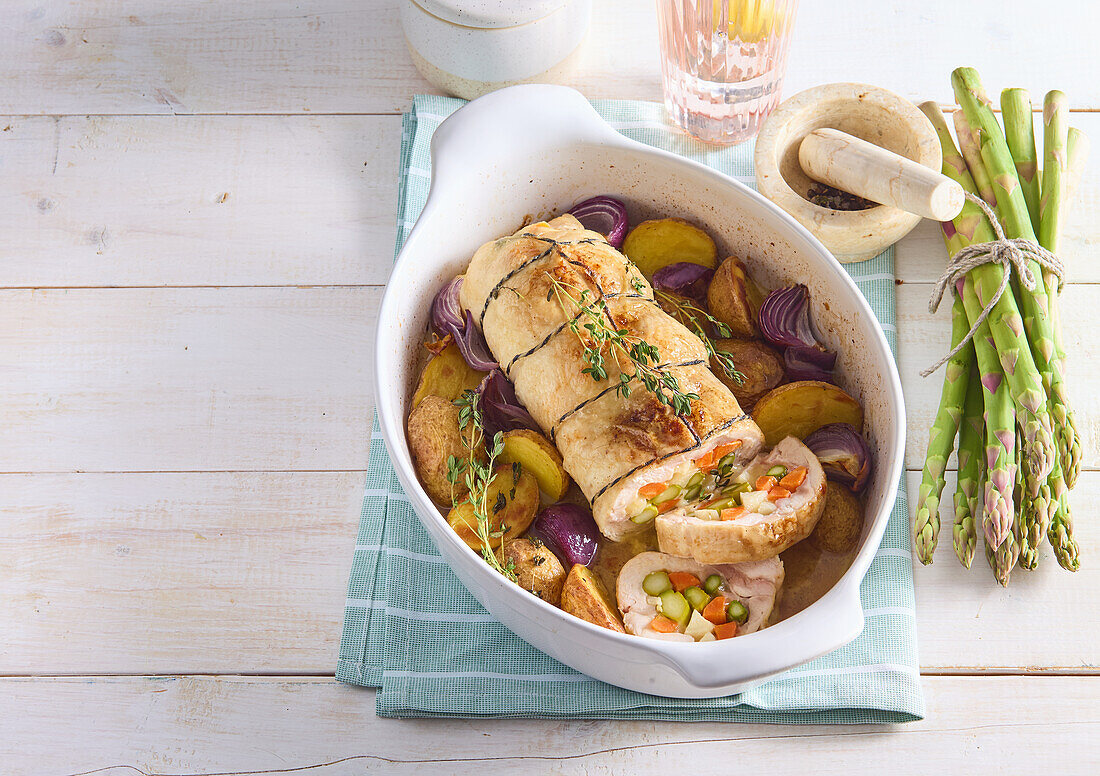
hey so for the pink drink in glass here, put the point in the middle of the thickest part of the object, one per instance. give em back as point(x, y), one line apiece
point(723, 63)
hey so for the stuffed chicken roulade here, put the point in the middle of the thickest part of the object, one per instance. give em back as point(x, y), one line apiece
point(773, 503)
point(545, 299)
point(678, 599)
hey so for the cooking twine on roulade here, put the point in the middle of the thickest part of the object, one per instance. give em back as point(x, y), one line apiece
point(1011, 254)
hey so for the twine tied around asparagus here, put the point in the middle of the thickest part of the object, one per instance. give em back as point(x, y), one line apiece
point(1011, 254)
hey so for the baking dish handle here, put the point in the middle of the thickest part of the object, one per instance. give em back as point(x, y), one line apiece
point(506, 126)
point(825, 626)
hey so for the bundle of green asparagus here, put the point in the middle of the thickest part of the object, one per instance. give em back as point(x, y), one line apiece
point(1004, 395)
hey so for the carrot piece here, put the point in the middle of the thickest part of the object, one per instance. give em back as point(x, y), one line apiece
point(665, 506)
point(726, 630)
point(705, 462)
point(652, 489)
point(794, 478)
point(777, 493)
point(733, 513)
point(662, 624)
point(766, 482)
point(722, 451)
point(715, 611)
point(682, 580)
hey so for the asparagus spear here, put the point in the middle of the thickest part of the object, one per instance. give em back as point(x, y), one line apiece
point(971, 471)
point(1030, 518)
point(971, 152)
point(1060, 536)
point(1055, 520)
point(1025, 382)
point(954, 166)
point(1006, 555)
point(1055, 139)
point(941, 438)
point(1002, 558)
point(1020, 135)
point(1000, 440)
point(1013, 212)
point(1077, 152)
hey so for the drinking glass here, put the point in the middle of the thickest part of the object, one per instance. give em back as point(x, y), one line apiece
point(723, 63)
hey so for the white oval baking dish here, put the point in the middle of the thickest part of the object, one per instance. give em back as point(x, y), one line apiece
point(532, 151)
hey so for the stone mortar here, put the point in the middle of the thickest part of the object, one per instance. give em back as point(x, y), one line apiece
point(868, 112)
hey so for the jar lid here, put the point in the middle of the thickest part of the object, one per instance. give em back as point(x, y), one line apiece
point(490, 13)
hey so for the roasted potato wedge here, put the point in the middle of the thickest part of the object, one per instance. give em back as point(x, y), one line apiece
point(584, 596)
point(728, 298)
point(655, 244)
point(761, 366)
point(537, 455)
point(537, 569)
point(512, 503)
point(757, 295)
point(798, 409)
point(841, 523)
point(446, 375)
point(434, 436)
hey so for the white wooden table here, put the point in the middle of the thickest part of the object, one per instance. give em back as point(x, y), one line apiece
point(196, 222)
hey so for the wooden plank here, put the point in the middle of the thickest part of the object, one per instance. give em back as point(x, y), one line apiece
point(349, 56)
point(154, 201)
point(228, 572)
point(279, 378)
point(320, 56)
point(239, 200)
point(247, 572)
point(186, 379)
point(223, 725)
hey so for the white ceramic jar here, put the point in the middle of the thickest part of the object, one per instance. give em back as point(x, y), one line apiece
point(471, 47)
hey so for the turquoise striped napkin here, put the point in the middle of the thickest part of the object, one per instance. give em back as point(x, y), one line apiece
point(444, 656)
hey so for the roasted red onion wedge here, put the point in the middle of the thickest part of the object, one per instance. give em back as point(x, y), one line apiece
point(785, 317)
point(843, 453)
point(605, 215)
point(685, 278)
point(473, 347)
point(446, 309)
point(784, 320)
point(449, 318)
point(500, 409)
point(809, 363)
point(570, 531)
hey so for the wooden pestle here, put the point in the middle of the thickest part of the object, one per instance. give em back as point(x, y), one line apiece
point(869, 171)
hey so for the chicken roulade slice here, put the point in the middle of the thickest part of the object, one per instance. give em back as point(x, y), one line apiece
point(773, 503)
point(677, 599)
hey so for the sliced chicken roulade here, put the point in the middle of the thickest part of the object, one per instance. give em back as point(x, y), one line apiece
point(773, 503)
point(678, 599)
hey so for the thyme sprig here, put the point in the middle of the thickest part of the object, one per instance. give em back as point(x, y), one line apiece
point(478, 474)
point(587, 312)
point(691, 313)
